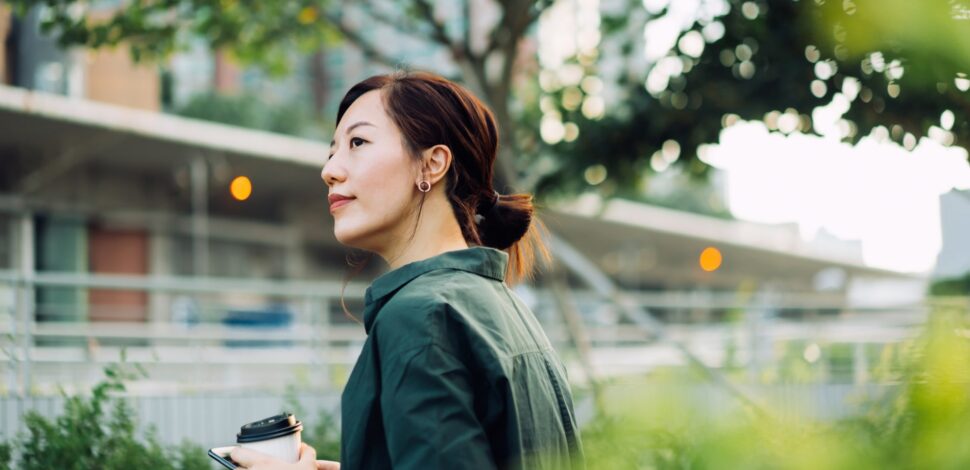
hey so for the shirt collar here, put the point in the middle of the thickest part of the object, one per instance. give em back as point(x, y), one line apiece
point(484, 261)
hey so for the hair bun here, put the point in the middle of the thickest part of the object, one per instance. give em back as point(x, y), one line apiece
point(507, 221)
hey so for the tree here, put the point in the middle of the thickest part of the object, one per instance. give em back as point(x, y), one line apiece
point(895, 63)
point(777, 61)
point(263, 33)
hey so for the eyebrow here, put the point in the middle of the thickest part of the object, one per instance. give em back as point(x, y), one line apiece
point(352, 127)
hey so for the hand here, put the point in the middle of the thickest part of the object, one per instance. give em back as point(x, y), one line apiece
point(251, 460)
point(328, 465)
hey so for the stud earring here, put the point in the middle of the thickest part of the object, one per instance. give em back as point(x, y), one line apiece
point(424, 186)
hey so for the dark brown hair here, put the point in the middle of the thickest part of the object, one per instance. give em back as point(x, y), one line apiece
point(430, 110)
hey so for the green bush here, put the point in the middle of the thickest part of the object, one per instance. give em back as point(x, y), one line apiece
point(324, 436)
point(5, 456)
point(954, 286)
point(97, 431)
point(921, 422)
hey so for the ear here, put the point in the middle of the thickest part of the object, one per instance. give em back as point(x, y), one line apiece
point(435, 163)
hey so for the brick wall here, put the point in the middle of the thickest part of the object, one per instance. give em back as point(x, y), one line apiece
point(227, 73)
point(4, 30)
point(110, 76)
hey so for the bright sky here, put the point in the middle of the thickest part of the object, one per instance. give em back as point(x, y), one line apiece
point(876, 191)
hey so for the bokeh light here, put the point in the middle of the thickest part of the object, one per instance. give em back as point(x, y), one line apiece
point(710, 259)
point(241, 188)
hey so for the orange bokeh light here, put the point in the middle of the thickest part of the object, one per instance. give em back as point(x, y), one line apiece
point(710, 259)
point(241, 188)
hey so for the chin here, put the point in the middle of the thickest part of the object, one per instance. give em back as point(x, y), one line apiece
point(345, 237)
point(350, 237)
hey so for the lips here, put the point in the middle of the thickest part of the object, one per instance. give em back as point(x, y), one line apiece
point(338, 200)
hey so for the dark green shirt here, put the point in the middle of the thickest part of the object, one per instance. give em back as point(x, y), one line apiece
point(455, 373)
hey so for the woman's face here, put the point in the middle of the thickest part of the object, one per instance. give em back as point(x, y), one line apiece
point(371, 176)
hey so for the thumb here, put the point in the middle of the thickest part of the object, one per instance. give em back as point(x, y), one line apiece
point(307, 453)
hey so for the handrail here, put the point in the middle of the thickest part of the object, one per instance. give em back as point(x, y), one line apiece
point(287, 288)
point(311, 337)
point(355, 290)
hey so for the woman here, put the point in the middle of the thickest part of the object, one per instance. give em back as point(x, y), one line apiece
point(456, 371)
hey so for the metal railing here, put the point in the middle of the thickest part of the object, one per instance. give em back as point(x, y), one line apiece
point(204, 338)
point(209, 333)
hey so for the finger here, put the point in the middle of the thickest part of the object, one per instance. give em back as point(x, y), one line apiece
point(245, 457)
point(307, 453)
point(327, 465)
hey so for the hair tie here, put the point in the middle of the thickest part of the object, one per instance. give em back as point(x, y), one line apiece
point(486, 207)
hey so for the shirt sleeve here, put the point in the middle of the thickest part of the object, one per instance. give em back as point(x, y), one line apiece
point(427, 404)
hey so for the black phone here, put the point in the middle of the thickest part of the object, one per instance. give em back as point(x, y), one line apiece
point(221, 455)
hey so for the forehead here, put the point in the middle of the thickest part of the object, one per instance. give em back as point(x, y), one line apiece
point(369, 107)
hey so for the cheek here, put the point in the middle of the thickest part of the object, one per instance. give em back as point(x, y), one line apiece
point(386, 188)
point(384, 197)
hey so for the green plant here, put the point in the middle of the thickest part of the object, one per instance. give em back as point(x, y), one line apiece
point(952, 286)
point(6, 455)
point(98, 431)
point(324, 436)
point(920, 420)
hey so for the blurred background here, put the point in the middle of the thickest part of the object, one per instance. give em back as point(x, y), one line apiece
point(758, 211)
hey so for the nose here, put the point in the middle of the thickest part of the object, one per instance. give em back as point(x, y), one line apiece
point(333, 172)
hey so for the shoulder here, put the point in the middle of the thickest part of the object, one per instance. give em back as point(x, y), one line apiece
point(432, 309)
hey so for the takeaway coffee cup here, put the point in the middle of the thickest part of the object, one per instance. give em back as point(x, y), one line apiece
point(278, 436)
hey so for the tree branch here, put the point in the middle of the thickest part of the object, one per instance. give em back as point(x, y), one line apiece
point(517, 16)
point(473, 68)
point(536, 13)
point(440, 34)
point(438, 29)
point(365, 46)
point(466, 11)
point(409, 29)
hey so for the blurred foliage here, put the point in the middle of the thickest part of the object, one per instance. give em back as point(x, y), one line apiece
point(256, 32)
point(6, 456)
point(906, 58)
point(248, 110)
point(956, 286)
point(266, 33)
point(919, 420)
point(908, 61)
point(97, 431)
point(931, 38)
point(324, 436)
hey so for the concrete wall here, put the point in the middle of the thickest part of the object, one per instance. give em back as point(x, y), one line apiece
point(954, 258)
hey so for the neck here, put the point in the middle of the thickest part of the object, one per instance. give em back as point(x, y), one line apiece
point(437, 232)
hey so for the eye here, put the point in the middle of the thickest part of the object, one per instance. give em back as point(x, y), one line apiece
point(356, 141)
